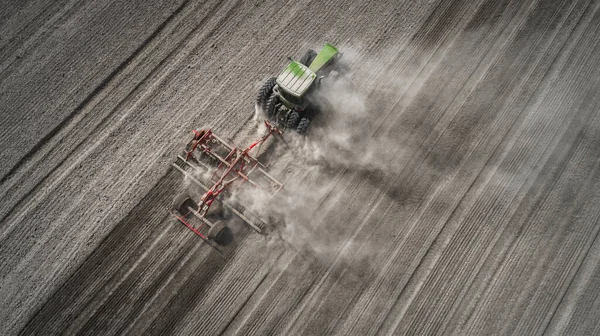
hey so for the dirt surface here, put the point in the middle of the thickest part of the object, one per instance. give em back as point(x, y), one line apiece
point(454, 189)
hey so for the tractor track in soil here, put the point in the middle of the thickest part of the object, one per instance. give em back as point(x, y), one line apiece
point(484, 220)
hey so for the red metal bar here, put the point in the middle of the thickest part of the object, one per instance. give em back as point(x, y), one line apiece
point(188, 225)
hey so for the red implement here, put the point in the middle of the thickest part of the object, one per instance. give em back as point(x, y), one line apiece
point(219, 168)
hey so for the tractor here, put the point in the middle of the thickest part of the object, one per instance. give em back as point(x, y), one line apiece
point(221, 170)
point(290, 100)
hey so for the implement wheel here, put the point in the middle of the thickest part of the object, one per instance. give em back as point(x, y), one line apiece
point(220, 233)
point(182, 204)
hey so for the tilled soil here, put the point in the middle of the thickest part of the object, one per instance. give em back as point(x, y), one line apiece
point(455, 190)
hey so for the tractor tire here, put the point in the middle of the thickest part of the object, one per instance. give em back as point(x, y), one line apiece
point(182, 203)
point(303, 126)
point(220, 233)
point(293, 120)
point(308, 57)
point(270, 106)
point(265, 91)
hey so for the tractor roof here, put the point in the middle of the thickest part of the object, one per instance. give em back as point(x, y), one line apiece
point(296, 79)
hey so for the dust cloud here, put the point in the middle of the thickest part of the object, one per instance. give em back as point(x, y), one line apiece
point(344, 136)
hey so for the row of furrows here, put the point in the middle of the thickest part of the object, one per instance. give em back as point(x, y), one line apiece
point(18, 21)
point(75, 153)
point(28, 28)
point(578, 308)
point(238, 280)
point(62, 71)
point(111, 133)
point(339, 245)
point(575, 80)
point(522, 256)
point(571, 251)
point(262, 312)
point(476, 224)
point(495, 121)
point(426, 50)
point(540, 212)
point(427, 68)
point(354, 271)
point(362, 312)
point(100, 111)
point(122, 254)
point(355, 319)
point(147, 284)
point(574, 40)
point(482, 211)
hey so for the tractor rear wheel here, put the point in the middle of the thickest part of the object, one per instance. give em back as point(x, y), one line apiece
point(293, 120)
point(308, 57)
point(265, 91)
point(303, 125)
point(270, 106)
point(182, 204)
point(220, 233)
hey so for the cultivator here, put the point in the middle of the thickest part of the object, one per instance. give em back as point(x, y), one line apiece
point(219, 169)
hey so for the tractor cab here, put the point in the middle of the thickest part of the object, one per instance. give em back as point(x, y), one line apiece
point(288, 98)
point(293, 83)
point(299, 77)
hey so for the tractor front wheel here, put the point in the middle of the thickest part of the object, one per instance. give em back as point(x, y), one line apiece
point(265, 91)
point(271, 105)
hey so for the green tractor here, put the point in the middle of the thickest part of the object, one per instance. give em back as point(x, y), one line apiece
point(290, 99)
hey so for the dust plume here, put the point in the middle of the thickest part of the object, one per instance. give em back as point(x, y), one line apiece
point(346, 135)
